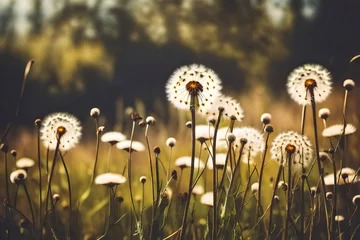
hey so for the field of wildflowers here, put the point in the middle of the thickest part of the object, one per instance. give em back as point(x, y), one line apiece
point(203, 175)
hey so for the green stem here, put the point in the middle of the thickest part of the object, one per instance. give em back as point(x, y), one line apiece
point(289, 190)
point(69, 188)
point(40, 178)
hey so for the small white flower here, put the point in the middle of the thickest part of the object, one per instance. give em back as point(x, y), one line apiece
point(337, 130)
point(232, 108)
point(25, 163)
point(95, 112)
point(302, 78)
point(207, 199)
point(349, 84)
point(18, 176)
point(255, 187)
point(135, 146)
point(142, 179)
point(198, 190)
point(265, 118)
point(339, 218)
point(204, 132)
point(150, 120)
point(110, 179)
point(60, 123)
point(220, 161)
point(184, 162)
point(324, 113)
point(196, 80)
point(356, 200)
point(170, 142)
point(113, 137)
point(288, 141)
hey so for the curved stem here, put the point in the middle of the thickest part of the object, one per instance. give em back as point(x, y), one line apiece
point(273, 197)
point(30, 204)
point(69, 188)
point(39, 169)
point(289, 191)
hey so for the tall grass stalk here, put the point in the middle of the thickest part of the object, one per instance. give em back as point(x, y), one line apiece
point(302, 192)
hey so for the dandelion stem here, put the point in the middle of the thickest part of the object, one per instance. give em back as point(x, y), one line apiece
point(169, 161)
point(214, 173)
point(273, 198)
point(69, 188)
point(6, 177)
point(109, 156)
point(155, 220)
point(30, 204)
point(321, 170)
point(289, 192)
point(39, 168)
point(16, 195)
point(334, 210)
point(302, 206)
point(151, 172)
point(193, 138)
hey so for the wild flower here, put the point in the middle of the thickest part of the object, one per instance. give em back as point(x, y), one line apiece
point(324, 113)
point(95, 112)
point(220, 161)
point(204, 132)
point(349, 84)
point(170, 142)
point(309, 76)
point(255, 187)
point(194, 80)
point(64, 124)
point(265, 118)
point(185, 162)
point(291, 141)
point(232, 108)
point(25, 163)
point(135, 146)
point(338, 129)
point(142, 179)
point(348, 176)
point(207, 199)
point(18, 176)
point(113, 137)
point(110, 179)
point(198, 190)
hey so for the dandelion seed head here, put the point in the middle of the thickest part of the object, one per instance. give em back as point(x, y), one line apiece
point(204, 132)
point(25, 163)
point(13, 153)
point(265, 118)
point(220, 161)
point(207, 199)
point(142, 179)
point(110, 179)
point(157, 150)
point(64, 126)
point(135, 146)
point(356, 200)
point(229, 107)
point(309, 76)
point(170, 142)
point(324, 113)
point(254, 141)
point(113, 137)
point(349, 84)
point(324, 156)
point(231, 137)
point(196, 80)
point(255, 187)
point(291, 143)
point(188, 124)
point(18, 176)
point(329, 195)
point(339, 218)
point(185, 162)
point(348, 176)
point(37, 122)
point(269, 128)
point(338, 129)
point(56, 198)
point(150, 121)
point(95, 112)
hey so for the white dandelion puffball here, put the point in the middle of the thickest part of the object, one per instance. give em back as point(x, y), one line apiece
point(352, 177)
point(207, 199)
point(25, 163)
point(302, 78)
point(291, 141)
point(255, 187)
point(198, 190)
point(60, 123)
point(18, 176)
point(204, 132)
point(339, 218)
point(255, 141)
point(113, 137)
point(135, 146)
point(184, 162)
point(170, 142)
point(220, 161)
point(338, 129)
point(110, 179)
point(232, 108)
point(196, 80)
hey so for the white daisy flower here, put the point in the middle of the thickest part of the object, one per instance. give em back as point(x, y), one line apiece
point(18, 176)
point(302, 78)
point(204, 132)
point(64, 125)
point(135, 146)
point(290, 141)
point(25, 163)
point(184, 162)
point(220, 161)
point(113, 137)
point(232, 108)
point(110, 179)
point(198, 190)
point(338, 129)
point(207, 199)
point(194, 79)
